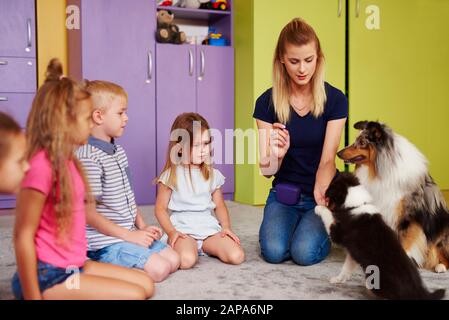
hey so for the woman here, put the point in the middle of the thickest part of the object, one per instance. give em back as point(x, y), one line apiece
point(300, 120)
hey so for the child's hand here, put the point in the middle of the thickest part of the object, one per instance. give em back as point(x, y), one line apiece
point(156, 232)
point(174, 236)
point(228, 232)
point(140, 237)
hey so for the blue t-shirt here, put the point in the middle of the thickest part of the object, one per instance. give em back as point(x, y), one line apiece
point(307, 135)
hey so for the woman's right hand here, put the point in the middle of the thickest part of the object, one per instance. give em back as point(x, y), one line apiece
point(279, 140)
point(140, 237)
point(174, 236)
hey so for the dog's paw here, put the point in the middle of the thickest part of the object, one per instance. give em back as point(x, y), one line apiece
point(320, 210)
point(341, 278)
point(440, 268)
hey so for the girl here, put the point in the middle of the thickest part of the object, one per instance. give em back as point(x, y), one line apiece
point(49, 233)
point(306, 117)
point(13, 163)
point(190, 188)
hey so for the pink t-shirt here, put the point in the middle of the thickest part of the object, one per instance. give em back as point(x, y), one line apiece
point(72, 252)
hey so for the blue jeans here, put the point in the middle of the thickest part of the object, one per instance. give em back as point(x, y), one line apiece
point(47, 276)
point(126, 254)
point(293, 232)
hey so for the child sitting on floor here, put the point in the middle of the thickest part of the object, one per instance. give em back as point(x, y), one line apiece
point(118, 235)
point(50, 227)
point(190, 188)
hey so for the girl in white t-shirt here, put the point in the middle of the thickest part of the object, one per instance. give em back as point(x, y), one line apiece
point(189, 188)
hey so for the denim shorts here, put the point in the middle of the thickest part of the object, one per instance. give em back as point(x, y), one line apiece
point(47, 276)
point(127, 254)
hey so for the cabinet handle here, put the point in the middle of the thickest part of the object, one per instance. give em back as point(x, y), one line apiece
point(3, 63)
point(3, 98)
point(357, 8)
point(339, 8)
point(28, 48)
point(150, 67)
point(190, 62)
point(203, 66)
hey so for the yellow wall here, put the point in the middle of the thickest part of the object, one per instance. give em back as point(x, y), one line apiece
point(51, 34)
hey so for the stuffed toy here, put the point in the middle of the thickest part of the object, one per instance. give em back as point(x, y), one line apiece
point(192, 4)
point(167, 32)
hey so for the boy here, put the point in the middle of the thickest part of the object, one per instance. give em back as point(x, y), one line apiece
point(116, 232)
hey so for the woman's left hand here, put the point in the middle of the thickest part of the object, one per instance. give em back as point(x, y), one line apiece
point(228, 232)
point(319, 194)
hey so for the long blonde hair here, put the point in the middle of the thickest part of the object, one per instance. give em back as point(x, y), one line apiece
point(185, 121)
point(298, 33)
point(53, 110)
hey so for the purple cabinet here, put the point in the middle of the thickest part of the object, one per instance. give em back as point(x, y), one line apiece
point(17, 28)
point(117, 44)
point(197, 79)
point(17, 105)
point(17, 74)
point(17, 64)
point(215, 102)
point(176, 91)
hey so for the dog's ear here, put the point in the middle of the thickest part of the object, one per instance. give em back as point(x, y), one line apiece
point(361, 125)
point(376, 132)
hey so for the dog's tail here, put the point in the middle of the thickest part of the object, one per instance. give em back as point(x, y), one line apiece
point(437, 294)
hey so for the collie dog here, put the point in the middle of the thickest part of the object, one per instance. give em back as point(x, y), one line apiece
point(396, 175)
point(354, 223)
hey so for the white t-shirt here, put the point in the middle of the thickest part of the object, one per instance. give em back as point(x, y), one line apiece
point(191, 205)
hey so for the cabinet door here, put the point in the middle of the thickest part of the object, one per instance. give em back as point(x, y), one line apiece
point(215, 101)
point(398, 71)
point(17, 74)
point(17, 28)
point(17, 105)
point(118, 46)
point(175, 72)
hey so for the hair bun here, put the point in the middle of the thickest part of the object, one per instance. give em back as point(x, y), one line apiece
point(54, 70)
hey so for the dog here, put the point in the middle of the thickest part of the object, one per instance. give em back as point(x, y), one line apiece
point(353, 222)
point(396, 175)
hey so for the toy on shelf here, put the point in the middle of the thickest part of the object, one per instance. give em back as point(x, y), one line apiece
point(218, 4)
point(165, 3)
point(214, 38)
point(168, 3)
point(191, 4)
point(167, 31)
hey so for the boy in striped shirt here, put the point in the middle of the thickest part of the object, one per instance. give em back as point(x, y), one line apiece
point(116, 230)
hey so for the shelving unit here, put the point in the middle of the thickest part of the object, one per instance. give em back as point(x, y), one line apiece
point(221, 20)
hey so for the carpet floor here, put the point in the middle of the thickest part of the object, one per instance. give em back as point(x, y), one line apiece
point(254, 279)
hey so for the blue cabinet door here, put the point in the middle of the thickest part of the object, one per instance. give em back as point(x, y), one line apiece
point(118, 46)
point(17, 28)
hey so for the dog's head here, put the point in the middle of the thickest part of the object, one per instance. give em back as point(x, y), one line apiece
point(373, 135)
point(345, 191)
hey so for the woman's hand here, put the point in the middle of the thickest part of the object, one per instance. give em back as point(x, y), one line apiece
point(156, 232)
point(279, 140)
point(226, 232)
point(319, 194)
point(174, 236)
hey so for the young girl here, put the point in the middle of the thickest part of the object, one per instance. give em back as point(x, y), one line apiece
point(190, 189)
point(13, 164)
point(49, 233)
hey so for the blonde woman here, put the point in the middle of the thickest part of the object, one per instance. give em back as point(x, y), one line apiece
point(300, 120)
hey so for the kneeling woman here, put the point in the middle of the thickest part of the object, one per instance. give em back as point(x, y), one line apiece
point(300, 120)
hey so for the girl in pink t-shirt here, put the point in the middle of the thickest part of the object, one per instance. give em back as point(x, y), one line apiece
point(49, 234)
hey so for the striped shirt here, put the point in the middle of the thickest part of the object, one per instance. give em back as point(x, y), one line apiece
point(107, 170)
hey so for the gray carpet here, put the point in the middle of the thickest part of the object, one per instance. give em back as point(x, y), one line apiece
point(254, 279)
